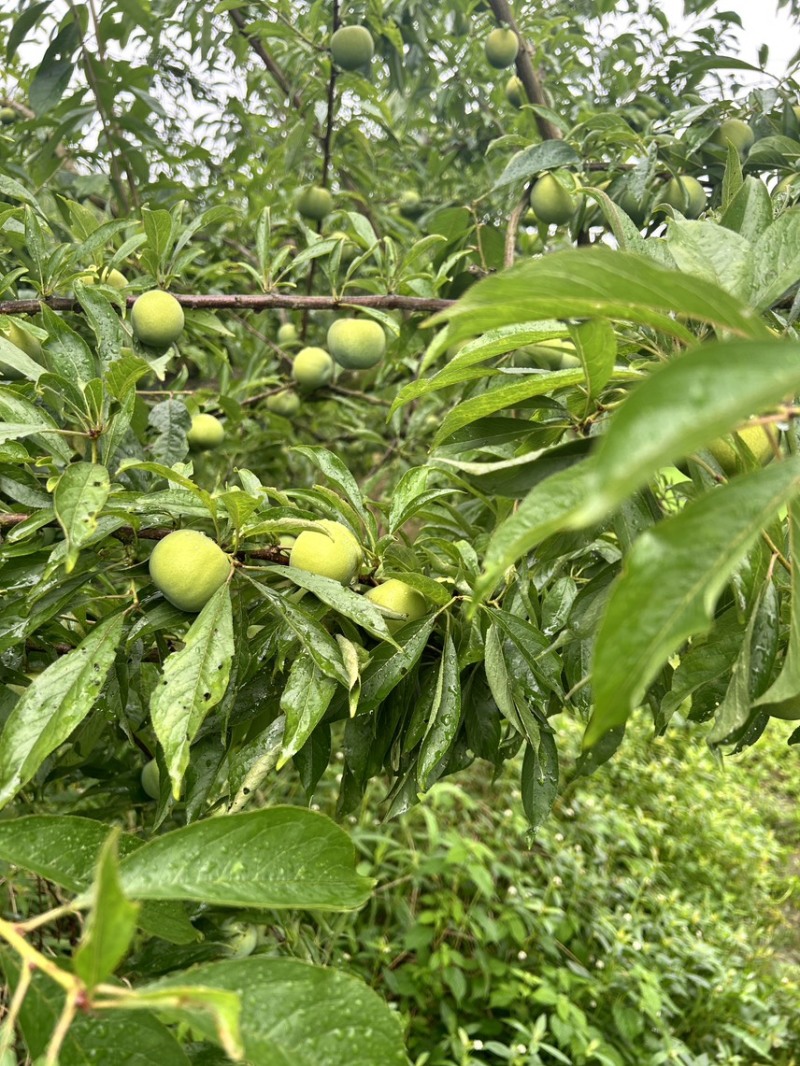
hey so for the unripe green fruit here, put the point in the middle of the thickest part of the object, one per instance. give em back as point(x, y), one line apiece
point(515, 91)
point(356, 343)
point(352, 47)
point(206, 432)
point(151, 779)
point(337, 556)
point(400, 598)
point(188, 567)
point(312, 368)
point(551, 201)
point(115, 278)
point(735, 132)
point(241, 938)
point(157, 319)
point(314, 202)
point(7, 115)
point(409, 204)
point(285, 403)
point(501, 47)
point(685, 194)
point(727, 455)
point(287, 333)
point(637, 210)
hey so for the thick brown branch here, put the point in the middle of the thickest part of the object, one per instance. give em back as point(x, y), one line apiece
point(256, 302)
point(525, 70)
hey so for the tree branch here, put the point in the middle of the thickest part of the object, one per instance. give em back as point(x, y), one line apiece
point(248, 302)
point(238, 20)
point(525, 70)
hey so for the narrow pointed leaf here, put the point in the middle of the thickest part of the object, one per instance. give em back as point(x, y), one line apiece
point(193, 681)
point(111, 922)
point(670, 584)
point(79, 498)
point(54, 704)
point(782, 698)
point(305, 700)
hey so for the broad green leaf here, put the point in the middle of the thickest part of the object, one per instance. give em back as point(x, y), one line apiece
point(11, 355)
point(272, 858)
point(782, 699)
point(750, 211)
point(670, 584)
point(78, 499)
point(65, 352)
point(503, 396)
point(171, 421)
point(388, 665)
point(125, 1038)
point(193, 681)
point(305, 700)
point(16, 409)
point(111, 923)
point(64, 848)
point(516, 477)
point(552, 505)
point(708, 250)
point(104, 321)
point(295, 1014)
point(545, 156)
point(334, 469)
point(776, 260)
point(539, 781)
point(596, 347)
point(49, 84)
point(597, 283)
point(685, 405)
point(352, 605)
point(444, 716)
point(54, 704)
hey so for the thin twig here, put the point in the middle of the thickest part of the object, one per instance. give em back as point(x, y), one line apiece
point(513, 227)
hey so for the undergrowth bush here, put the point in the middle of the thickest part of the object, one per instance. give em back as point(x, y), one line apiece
point(647, 922)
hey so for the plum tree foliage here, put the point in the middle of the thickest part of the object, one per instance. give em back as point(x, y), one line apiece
point(190, 195)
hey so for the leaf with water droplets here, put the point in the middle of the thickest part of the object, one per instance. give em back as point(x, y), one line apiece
point(295, 1014)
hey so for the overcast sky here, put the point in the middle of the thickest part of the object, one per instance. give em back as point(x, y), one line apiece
point(762, 23)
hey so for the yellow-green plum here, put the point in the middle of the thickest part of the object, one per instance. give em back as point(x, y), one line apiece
point(501, 47)
point(285, 403)
point(356, 343)
point(314, 202)
point(409, 204)
point(727, 454)
point(7, 115)
point(312, 368)
point(151, 779)
point(188, 567)
point(736, 132)
point(115, 278)
point(157, 319)
point(335, 553)
point(685, 194)
point(515, 91)
point(287, 334)
point(400, 598)
point(352, 47)
point(206, 432)
point(551, 202)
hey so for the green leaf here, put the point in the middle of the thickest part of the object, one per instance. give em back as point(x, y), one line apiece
point(295, 1014)
point(596, 346)
point(545, 156)
point(25, 21)
point(503, 396)
point(444, 716)
point(348, 603)
point(171, 421)
point(11, 355)
point(776, 260)
point(750, 211)
point(597, 283)
point(125, 1038)
point(273, 858)
point(49, 84)
point(104, 321)
point(64, 848)
point(193, 681)
point(539, 780)
point(388, 666)
point(78, 499)
point(708, 250)
point(66, 352)
point(782, 698)
point(219, 1009)
point(334, 469)
point(111, 922)
point(14, 409)
point(670, 584)
point(305, 700)
point(54, 704)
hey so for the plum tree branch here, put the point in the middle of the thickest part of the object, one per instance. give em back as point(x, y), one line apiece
point(238, 20)
point(526, 71)
point(251, 302)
